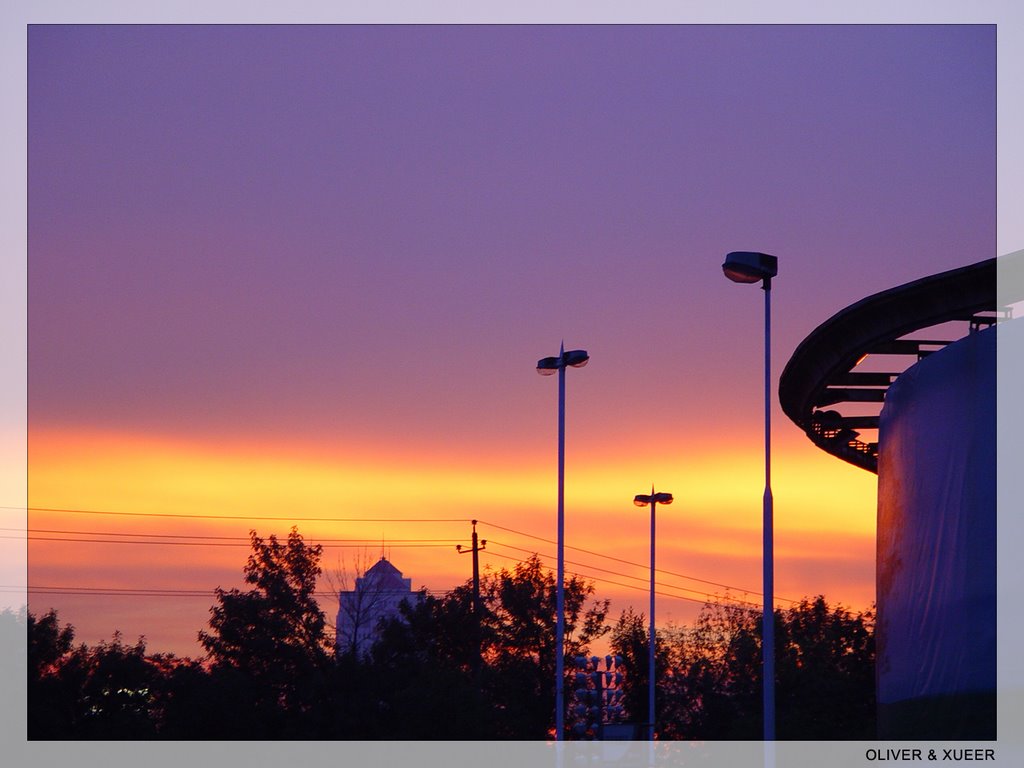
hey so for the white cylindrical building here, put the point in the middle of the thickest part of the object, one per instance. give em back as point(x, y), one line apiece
point(936, 567)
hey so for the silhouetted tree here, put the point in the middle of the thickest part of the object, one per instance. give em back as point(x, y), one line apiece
point(50, 705)
point(270, 672)
point(268, 646)
point(111, 691)
point(521, 649)
point(714, 689)
point(424, 662)
point(48, 642)
point(630, 639)
point(423, 679)
point(824, 674)
point(189, 702)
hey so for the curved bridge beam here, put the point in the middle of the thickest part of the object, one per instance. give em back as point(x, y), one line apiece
point(820, 373)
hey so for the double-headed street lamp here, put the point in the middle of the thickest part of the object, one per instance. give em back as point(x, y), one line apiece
point(752, 267)
point(575, 358)
point(653, 500)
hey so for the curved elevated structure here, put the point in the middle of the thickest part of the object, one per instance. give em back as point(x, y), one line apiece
point(928, 390)
point(820, 377)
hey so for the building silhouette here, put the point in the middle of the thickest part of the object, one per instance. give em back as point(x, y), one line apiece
point(377, 596)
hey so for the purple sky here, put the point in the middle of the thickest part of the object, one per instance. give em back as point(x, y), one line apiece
point(213, 209)
point(365, 231)
point(255, 238)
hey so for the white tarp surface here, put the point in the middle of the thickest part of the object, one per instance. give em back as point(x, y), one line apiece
point(936, 584)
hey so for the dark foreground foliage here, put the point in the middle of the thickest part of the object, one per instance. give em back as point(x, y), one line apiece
point(449, 668)
point(709, 675)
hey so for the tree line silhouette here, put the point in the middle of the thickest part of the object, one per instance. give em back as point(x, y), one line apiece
point(441, 670)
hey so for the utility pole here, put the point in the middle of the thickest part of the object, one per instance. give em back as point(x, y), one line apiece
point(477, 546)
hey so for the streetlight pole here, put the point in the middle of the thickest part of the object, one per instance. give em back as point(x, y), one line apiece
point(751, 267)
point(653, 500)
point(575, 358)
point(768, 531)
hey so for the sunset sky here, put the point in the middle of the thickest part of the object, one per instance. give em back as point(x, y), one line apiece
point(305, 273)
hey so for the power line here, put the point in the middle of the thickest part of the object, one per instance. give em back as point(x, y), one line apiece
point(114, 592)
point(638, 565)
point(384, 520)
point(245, 540)
point(605, 570)
point(634, 586)
point(147, 592)
point(202, 543)
point(287, 518)
point(601, 579)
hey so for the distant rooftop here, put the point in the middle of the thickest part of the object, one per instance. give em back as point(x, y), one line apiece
point(383, 576)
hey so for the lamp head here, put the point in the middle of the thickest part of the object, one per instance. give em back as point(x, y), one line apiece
point(643, 499)
point(548, 366)
point(750, 266)
point(577, 358)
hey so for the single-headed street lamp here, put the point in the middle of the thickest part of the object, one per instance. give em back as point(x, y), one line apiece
point(575, 358)
point(643, 500)
point(751, 267)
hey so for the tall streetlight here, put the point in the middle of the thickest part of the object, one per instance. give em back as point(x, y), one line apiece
point(643, 500)
point(575, 358)
point(751, 267)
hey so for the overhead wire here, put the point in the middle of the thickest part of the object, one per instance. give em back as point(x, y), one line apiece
point(630, 562)
point(286, 518)
point(643, 579)
point(643, 589)
point(374, 541)
point(209, 543)
point(150, 591)
point(243, 539)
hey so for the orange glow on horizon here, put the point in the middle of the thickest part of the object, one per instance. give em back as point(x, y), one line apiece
point(824, 513)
